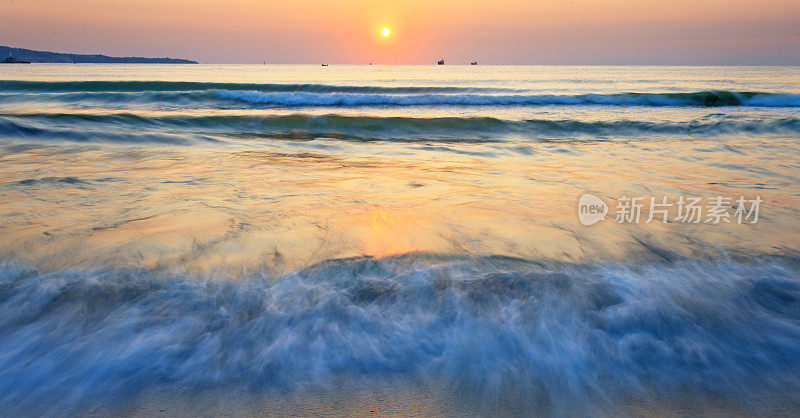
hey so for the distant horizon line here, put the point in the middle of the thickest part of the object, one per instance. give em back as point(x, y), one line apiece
point(466, 62)
point(317, 64)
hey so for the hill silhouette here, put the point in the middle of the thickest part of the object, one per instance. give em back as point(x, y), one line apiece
point(23, 54)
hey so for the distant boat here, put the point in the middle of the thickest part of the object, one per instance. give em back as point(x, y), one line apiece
point(441, 62)
point(324, 65)
point(12, 60)
point(474, 63)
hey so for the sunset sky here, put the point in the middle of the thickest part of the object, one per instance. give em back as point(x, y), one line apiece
point(495, 31)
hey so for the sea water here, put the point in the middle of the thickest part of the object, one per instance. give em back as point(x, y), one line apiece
point(283, 229)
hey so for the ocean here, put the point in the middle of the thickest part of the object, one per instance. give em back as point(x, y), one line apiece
point(430, 240)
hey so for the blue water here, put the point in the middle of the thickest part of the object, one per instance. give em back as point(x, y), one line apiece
point(280, 230)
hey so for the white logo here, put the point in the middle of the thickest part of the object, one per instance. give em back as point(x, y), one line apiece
point(687, 210)
point(591, 209)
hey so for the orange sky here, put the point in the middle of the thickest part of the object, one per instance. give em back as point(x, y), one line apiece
point(491, 31)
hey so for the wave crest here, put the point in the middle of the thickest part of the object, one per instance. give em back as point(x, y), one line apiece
point(313, 95)
point(702, 99)
point(559, 333)
point(127, 127)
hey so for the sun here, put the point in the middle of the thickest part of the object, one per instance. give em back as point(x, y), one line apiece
point(385, 32)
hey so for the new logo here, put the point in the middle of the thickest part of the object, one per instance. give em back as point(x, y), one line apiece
point(591, 209)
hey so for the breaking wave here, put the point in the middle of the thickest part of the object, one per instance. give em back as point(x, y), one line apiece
point(702, 99)
point(133, 128)
point(320, 95)
point(552, 332)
